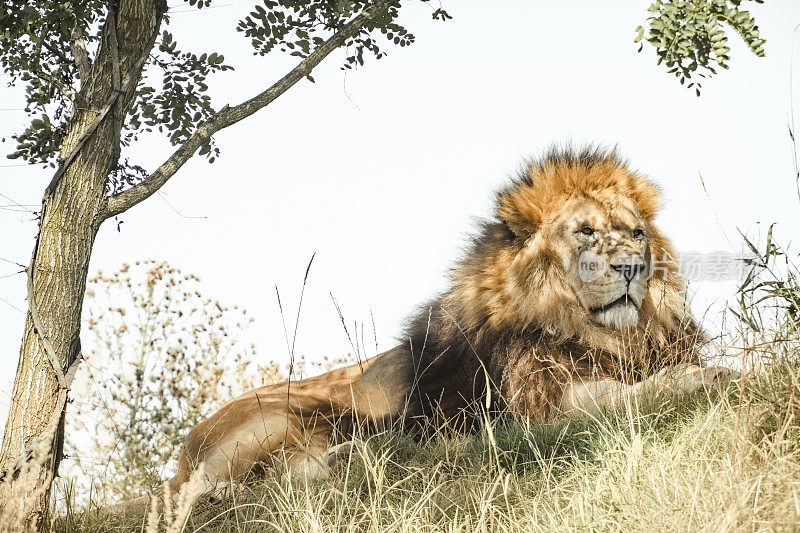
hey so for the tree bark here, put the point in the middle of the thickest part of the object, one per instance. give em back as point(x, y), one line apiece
point(72, 211)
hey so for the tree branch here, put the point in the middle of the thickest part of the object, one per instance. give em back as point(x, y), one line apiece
point(78, 47)
point(113, 48)
point(55, 82)
point(228, 116)
point(40, 73)
point(56, 52)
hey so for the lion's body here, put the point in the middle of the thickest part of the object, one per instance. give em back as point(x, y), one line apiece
point(518, 318)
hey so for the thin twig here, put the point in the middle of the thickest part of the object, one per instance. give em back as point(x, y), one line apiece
point(12, 306)
point(39, 72)
point(55, 51)
point(55, 82)
point(791, 114)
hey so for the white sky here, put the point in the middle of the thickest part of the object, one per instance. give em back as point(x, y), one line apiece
point(379, 171)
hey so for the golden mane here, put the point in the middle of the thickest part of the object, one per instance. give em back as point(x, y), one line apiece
point(544, 188)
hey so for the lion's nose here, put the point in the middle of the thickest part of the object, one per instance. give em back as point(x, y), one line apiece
point(628, 270)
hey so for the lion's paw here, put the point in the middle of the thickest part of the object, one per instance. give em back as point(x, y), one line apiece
point(339, 454)
point(222, 491)
point(696, 378)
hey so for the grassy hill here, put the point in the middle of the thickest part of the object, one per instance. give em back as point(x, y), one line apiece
point(724, 461)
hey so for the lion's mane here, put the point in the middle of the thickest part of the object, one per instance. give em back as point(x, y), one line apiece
point(509, 314)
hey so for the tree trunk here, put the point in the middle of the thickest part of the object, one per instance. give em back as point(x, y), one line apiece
point(73, 208)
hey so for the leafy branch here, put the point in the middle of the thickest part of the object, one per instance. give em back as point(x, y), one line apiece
point(228, 116)
point(689, 38)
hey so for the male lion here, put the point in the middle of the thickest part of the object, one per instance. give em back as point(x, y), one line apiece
point(569, 300)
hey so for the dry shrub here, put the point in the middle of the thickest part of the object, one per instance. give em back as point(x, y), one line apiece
point(159, 358)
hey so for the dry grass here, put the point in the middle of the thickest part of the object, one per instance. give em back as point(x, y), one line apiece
point(720, 462)
point(175, 518)
point(20, 492)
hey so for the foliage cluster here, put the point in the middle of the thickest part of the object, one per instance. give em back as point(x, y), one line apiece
point(47, 46)
point(689, 38)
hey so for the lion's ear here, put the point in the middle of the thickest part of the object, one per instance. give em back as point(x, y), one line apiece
point(518, 209)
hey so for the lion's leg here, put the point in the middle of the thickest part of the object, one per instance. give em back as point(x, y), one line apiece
point(230, 448)
point(316, 461)
point(591, 396)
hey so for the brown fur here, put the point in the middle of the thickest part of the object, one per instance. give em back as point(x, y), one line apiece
point(516, 320)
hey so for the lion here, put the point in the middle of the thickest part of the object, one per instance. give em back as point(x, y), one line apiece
point(569, 300)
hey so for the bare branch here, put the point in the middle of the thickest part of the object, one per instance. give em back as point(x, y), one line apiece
point(228, 116)
point(40, 73)
point(56, 52)
point(78, 47)
point(55, 82)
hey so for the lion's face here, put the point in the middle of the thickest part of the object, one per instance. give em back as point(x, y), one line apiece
point(588, 235)
point(605, 256)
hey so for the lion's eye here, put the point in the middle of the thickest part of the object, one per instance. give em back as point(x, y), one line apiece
point(638, 233)
point(586, 230)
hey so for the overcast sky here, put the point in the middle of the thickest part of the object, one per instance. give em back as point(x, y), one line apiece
point(379, 171)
